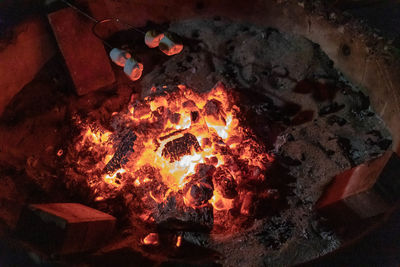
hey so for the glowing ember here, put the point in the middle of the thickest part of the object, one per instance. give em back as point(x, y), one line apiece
point(180, 144)
point(151, 239)
point(178, 241)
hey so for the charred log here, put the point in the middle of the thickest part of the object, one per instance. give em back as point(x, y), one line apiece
point(213, 111)
point(125, 148)
point(177, 148)
point(198, 192)
point(174, 215)
point(225, 183)
point(171, 134)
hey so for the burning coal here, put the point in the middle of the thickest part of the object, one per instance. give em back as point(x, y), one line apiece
point(185, 148)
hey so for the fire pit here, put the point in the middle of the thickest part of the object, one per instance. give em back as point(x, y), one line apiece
point(220, 154)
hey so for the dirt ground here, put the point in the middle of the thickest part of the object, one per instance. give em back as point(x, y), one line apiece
point(308, 115)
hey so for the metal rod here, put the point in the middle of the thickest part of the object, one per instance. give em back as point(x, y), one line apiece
point(79, 11)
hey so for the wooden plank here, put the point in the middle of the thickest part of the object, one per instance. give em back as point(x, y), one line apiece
point(84, 54)
point(64, 228)
point(23, 57)
point(362, 192)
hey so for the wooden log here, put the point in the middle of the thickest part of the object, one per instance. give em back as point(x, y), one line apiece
point(362, 192)
point(64, 228)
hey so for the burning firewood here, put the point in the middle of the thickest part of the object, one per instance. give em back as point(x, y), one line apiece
point(200, 187)
point(214, 113)
point(197, 193)
point(120, 157)
point(181, 146)
point(174, 215)
point(193, 153)
point(247, 203)
point(224, 183)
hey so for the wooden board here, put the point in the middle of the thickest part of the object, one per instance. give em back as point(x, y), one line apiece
point(64, 228)
point(84, 54)
point(363, 191)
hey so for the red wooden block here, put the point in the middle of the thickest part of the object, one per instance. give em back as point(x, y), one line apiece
point(363, 191)
point(64, 228)
point(84, 54)
point(23, 58)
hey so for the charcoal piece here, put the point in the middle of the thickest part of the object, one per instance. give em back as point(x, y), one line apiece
point(331, 108)
point(194, 115)
point(384, 144)
point(360, 101)
point(171, 134)
point(175, 118)
point(204, 171)
point(125, 148)
point(197, 193)
point(276, 233)
point(336, 119)
point(174, 215)
point(141, 109)
point(214, 108)
point(225, 183)
point(375, 133)
point(189, 104)
point(345, 146)
point(177, 148)
point(200, 187)
point(376, 139)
